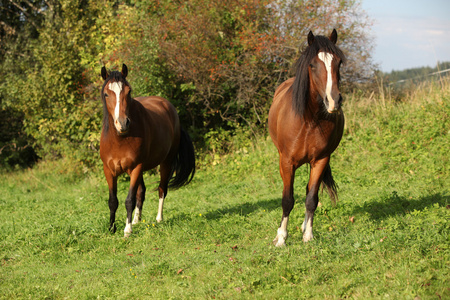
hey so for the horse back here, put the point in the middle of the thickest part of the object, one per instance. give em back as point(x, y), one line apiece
point(156, 105)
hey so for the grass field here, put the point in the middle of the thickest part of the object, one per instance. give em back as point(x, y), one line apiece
point(387, 237)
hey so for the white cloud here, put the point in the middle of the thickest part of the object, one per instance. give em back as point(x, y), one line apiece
point(411, 42)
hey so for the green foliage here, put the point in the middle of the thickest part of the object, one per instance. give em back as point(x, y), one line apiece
point(387, 237)
point(219, 62)
point(14, 148)
point(55, 87)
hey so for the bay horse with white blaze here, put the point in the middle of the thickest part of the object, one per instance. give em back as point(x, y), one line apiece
point(138, 135)
point(306, 124)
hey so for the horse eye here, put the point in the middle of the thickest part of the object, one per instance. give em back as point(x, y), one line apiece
point(312, 66)
point(106, 95)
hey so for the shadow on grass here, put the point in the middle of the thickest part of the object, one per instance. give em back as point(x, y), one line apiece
point(400, 205)
point(244, 209)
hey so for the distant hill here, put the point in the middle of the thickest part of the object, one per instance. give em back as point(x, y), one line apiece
point(416, 75)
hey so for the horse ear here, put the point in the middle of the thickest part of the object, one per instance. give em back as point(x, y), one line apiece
point(104, 73)
point(311, 38)
point(333, 36)
point(124, 71)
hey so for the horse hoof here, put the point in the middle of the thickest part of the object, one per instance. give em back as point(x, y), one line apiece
point(279, 242)
point(127, 233)
point(307, 237)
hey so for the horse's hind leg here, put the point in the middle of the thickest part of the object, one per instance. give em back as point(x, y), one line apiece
point(312, 197)
point(140, 198)
point(165, 173)
point(287, 172)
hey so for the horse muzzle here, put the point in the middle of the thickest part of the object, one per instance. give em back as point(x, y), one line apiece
point(122, 126)
point(333, 106)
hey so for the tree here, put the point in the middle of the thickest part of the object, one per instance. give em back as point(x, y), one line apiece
point(229, 56)
point(20, 23)
point(49, 83)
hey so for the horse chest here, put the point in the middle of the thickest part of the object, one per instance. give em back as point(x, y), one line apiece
point(119, 165)
point(326, 139)
point(124, 158)
point(311, 143)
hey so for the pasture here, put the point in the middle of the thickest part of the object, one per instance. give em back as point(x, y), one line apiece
point(387, 236)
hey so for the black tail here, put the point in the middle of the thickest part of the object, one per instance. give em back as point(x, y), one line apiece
point(330, 184)
point(183, 167)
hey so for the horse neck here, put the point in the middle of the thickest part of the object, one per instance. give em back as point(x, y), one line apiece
point(312, 106)
point(315, 111)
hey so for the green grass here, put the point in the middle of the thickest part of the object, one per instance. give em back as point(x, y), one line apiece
point(393, 171)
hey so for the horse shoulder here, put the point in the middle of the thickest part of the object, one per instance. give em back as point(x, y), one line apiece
point(285, 126)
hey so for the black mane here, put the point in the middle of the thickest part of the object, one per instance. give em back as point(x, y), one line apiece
point(300, 86)
point(114, 76)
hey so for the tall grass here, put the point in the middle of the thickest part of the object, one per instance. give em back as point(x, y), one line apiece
point(387, 237)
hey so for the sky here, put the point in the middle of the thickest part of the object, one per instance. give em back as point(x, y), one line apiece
point(409, 33)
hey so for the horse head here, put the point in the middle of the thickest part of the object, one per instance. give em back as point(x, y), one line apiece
point(324, 72)
point(116, 95)
point(317, 75)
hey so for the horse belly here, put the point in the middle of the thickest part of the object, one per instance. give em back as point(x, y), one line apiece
point(156, 153)
point(164, 131)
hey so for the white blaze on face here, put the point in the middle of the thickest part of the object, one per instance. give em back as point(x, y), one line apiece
point(327, 58)
point(116, 87)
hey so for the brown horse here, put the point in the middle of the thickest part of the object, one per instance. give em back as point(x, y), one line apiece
point(306, 124)
point(138, 135)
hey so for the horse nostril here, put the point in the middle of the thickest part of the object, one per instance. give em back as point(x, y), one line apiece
point(340, 100)
point(127, 123)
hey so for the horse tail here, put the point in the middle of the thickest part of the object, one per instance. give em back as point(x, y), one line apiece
point(183, 166)
point(330, 184)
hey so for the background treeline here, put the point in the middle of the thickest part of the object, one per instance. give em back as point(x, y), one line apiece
point(219, 62)
point(409, 78)
point(417, 73)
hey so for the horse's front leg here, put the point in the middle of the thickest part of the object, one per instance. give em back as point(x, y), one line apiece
point(312, 196)
point(113, 202)
point(287, 172)
point(130, 203)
